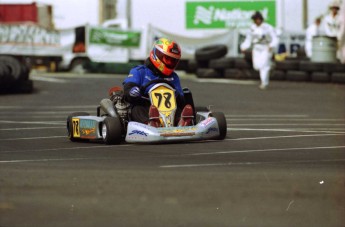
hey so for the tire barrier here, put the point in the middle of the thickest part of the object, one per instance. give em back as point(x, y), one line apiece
point(211, 52)
point(297, 76)
point(211, 62)
point(14, 76)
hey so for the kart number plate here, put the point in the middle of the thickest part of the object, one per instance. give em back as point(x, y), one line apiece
point(76, 127)
point(164, 99)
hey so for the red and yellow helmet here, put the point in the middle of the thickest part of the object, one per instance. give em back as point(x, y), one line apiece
point(165, 55)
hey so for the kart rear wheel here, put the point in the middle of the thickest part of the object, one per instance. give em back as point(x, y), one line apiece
point(220, 117)
point(70, 124)
point(112, 130)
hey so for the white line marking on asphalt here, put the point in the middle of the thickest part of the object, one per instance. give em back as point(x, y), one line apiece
point(35, 122)
point(48, 79)
point(65, 113)
point(285, 119)
point(33, 138)
point(280, 137)
point(47, 107)
point(34, 128)
point(69, 148)
point(282, 130)
point(49, 160)
point(288, 124)
point(266, 150)
point(249, 163)
point(267, 115)
point(292, 201)
point(226, 81)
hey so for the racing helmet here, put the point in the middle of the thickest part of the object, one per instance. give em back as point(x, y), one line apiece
point(165, 55)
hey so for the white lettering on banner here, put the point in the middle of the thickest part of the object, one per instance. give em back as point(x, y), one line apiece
point(28, 34)
point(232, 18)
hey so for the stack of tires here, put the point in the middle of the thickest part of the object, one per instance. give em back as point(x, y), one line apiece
point(294, 70)
point(209, 62)
point(14, 76)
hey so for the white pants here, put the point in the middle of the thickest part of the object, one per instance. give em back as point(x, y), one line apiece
point(262, 61)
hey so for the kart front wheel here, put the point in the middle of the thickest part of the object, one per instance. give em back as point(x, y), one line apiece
point(222, 125)
point(112, 130)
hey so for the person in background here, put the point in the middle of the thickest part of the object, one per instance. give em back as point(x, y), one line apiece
point(341, 36)
point(331, 22)
point(263, 39)
point(313, 30)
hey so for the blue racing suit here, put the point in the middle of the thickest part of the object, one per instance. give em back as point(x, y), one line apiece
point(140, 76)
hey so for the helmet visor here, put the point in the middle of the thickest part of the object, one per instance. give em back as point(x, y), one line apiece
point(168, 61)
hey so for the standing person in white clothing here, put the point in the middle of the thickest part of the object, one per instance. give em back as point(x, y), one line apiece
point(331, 22)
point(313, 30)
point(263, 39)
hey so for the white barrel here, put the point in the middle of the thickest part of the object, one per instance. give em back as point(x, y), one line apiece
point(324, 49)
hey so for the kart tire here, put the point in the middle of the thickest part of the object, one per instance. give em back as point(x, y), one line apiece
point(70, 124)
point(112, 130)
point(211, 52)
point(222, 125)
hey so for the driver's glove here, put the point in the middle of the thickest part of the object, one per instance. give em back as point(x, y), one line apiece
point(135, 92)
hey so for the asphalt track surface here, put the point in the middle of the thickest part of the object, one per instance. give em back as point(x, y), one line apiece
point(281, 164)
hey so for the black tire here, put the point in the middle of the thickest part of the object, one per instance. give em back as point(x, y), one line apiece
point(14, 66)
point(297, 76)
point(202, 64)
point(234, 74)
point(222, 63)
point(211, 52)
point(308, 66)
point(23, 87)
point(201, 109)
point(251, 74)
point(192, 66)
point(113, 133)
point(278, 75)
point(333, 67)
point(222, 125)
point(241, 63)
point(287, 65)
point(25, 72)
point(338, 77)
point(208, 73)
point(6, 80)
point(69, 124)
point(321, 77)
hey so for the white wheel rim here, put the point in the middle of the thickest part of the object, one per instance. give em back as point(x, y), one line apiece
point(104, 131)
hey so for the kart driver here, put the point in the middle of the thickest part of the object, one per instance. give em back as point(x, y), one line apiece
point(161, 64)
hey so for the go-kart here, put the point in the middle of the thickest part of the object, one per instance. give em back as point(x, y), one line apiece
point(113, 125)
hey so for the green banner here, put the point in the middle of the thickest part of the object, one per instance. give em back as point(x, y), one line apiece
point(112, 37)
point(227, 14)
